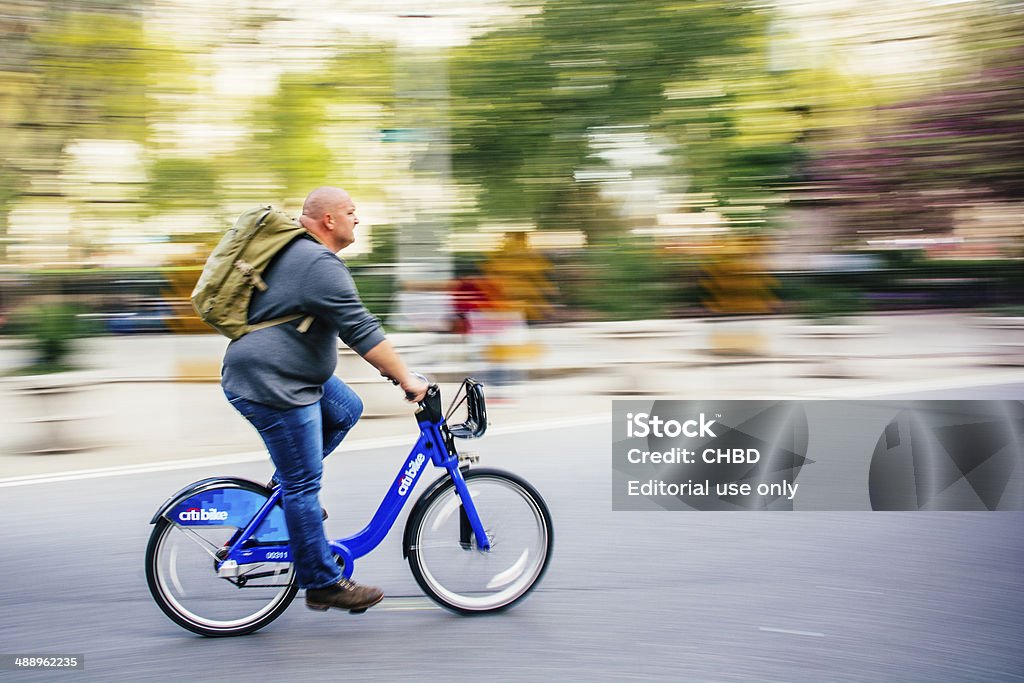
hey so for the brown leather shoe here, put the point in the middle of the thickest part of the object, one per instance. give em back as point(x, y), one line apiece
point(344, 595)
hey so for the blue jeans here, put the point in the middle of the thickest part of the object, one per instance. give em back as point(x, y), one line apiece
point(298, 440)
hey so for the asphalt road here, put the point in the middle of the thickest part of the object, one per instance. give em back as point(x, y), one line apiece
point(854, 596)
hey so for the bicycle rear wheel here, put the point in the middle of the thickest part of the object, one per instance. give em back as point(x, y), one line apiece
point(443, 553)
point(181, 573)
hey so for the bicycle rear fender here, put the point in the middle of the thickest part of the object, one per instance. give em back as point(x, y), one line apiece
point(224, 501)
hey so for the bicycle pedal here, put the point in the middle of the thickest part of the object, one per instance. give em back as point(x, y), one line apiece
point(318, 608)
point(469, 457)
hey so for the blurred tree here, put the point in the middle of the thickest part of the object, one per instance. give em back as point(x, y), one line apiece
point(935, 154)
point(17, 88)
point(737, 128)
point(181, 183)
point(627, 279)
point(79, 70)
point(297, 134)
point(10, 183)
point(290, 133)
point(50, 328)
point(528, 99)
point(94, 74)
point(954, 146)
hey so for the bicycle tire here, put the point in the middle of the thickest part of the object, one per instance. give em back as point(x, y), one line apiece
point(165, 585)
point(442, 552)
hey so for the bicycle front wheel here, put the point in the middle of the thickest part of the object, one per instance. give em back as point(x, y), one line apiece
point(181, 573)
point(443, 552)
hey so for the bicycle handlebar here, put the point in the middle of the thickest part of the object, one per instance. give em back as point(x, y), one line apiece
point(408, 396)
point(476, 407)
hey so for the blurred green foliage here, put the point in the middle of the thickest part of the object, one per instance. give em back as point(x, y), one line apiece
point(93, 73)
point(182, 183)
point(933, 155)
point(546, 119)
point(375, 272)
point(628, 279)
point(49, 329)
point(526, 100)
point(300, 131)
point(828, 301)
point(289, 133)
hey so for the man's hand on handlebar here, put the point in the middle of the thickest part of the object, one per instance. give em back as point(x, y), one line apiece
point(414, 385)
point(387, 361)
point(415, 388)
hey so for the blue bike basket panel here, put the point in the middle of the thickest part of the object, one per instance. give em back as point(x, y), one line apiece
point(229, 507)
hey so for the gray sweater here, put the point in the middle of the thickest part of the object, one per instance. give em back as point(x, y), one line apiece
point(279, 366)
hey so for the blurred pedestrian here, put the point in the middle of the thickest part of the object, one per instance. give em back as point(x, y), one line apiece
point(519, 276)
point(470, 294)
point(515, 283)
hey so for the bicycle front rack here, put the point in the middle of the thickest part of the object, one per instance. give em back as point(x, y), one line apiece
point(472, 394)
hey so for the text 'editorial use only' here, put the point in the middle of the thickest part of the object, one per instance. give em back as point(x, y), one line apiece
point(818, 455)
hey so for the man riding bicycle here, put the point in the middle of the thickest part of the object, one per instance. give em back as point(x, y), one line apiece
point(282, 380)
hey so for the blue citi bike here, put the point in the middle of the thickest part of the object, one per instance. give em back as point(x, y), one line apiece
point(477, 540)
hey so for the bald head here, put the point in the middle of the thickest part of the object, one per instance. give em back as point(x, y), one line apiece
point(330, 215)
point(324, 200)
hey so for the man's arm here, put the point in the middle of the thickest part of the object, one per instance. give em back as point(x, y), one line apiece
point(384, 357)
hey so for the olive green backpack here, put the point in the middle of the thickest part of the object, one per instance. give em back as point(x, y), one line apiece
point(234, 269)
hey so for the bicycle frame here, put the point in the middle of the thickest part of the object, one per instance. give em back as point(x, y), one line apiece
point(435, 443)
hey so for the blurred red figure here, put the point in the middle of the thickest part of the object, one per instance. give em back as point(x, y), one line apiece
point(469, 295)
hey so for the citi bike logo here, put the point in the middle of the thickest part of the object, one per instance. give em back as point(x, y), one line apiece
point(198, 515)
point(407, 477)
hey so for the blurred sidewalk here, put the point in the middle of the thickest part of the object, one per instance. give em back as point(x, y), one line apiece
point(155, 398)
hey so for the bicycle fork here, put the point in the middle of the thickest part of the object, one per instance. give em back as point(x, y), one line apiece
point(469, 517)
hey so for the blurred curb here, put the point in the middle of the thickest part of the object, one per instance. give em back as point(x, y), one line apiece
point(157, 397)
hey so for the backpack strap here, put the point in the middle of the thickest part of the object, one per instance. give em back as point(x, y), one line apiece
point(307, 322)
point(257, 281)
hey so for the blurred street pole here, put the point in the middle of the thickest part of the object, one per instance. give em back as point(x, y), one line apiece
point(421, 104)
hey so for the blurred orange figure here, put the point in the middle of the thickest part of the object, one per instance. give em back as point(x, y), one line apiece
point(517, 275)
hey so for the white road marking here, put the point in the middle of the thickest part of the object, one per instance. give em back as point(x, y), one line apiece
point(259, 456)
point(880, 390)
point(850, 590)
point(168, 465)
point(406, 605)
point(790, 632)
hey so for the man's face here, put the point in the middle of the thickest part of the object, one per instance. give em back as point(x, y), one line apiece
point(342, 221)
